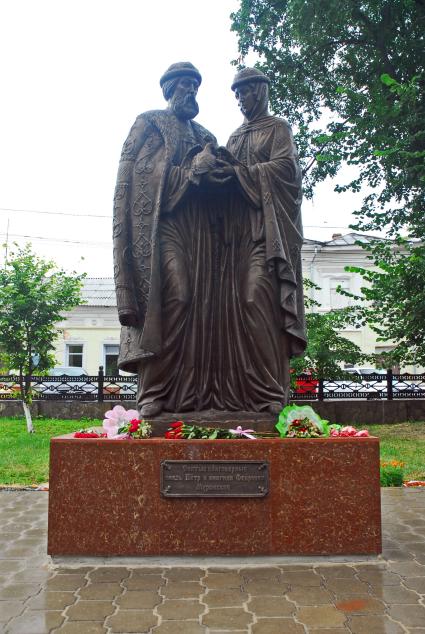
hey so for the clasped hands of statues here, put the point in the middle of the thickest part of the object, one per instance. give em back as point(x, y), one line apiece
point(215, 165)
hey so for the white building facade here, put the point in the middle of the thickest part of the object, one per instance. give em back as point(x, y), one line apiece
point(90, 333)
point(324, 264)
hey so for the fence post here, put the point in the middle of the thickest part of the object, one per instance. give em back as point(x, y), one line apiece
point(100, 379)
point(320, 391)
point(390, 384)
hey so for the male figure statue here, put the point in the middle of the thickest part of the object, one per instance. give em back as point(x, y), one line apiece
point(261, 295)
point(163, 248)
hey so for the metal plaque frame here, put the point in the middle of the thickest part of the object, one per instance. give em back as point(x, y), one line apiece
point(214, 478)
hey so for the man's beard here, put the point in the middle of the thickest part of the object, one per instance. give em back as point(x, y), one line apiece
point(184, 107)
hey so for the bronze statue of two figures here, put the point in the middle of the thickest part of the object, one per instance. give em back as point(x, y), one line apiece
point(207, 244)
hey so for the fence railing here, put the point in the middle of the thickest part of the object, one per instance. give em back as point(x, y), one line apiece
point(98, 387)
point(101, 387)
point(379, 385)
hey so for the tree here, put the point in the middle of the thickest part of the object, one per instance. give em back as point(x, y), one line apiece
point(326, 348)
point(357, 70)
point(2, 362)
point(349, 76)
point(33, 296)
point(392, 302)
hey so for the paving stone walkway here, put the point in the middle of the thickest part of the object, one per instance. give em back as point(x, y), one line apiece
point(386, 595)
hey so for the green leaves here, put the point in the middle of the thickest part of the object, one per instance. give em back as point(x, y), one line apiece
point(387, 80)
point(385, 152)
point(393, 301)
point(327, 349)
point(33, 297)
point(321, 158)
point(350, 78)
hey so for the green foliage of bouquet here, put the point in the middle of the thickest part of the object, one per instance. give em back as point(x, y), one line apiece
point(297, 421)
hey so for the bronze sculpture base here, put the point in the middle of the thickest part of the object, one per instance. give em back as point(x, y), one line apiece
point(259, 421)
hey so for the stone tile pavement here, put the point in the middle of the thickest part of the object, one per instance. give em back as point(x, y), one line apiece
point(386, 595)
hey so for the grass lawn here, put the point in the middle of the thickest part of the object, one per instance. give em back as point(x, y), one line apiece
point(405, 442)
point(24, 458)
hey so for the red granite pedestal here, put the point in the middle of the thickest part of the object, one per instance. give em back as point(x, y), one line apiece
point(105, 499)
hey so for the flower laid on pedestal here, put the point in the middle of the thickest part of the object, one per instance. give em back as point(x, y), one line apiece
point(297, 421)
point(119, 424)
point(88, 433)
point(246, 433)
point(179, 430)
point(301, 422)
point(347, 432)
point(117, 419)
point(294, 422)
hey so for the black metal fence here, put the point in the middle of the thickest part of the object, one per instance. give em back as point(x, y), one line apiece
point(101, 387)
point(379, 385)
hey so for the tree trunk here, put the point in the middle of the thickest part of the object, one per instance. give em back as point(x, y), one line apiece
point(28, 417)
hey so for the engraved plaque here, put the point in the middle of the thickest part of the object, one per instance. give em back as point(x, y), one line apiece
point(214, 478)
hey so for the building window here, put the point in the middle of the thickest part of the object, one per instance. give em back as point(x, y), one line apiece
point(111, 359)
point(74, 355)
point(336, 299)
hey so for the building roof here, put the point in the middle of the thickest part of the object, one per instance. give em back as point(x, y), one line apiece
point(99, 291)
point(343, 240)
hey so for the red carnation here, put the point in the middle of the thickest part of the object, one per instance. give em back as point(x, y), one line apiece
point(86, 434)
point(134, 425)
point(175, 430)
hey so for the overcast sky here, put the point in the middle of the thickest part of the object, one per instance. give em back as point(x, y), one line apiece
point(75, 74)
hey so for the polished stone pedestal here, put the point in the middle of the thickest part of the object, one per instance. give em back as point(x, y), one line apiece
point(105, 499)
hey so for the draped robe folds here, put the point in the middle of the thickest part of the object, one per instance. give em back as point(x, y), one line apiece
point(162, 255)
point(261, 294)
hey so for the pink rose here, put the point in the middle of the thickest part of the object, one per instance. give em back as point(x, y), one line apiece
point(348, 431)
point(117, 418)
point(362, 433)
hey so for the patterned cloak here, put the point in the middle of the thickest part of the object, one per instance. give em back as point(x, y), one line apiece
point(141, 197)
